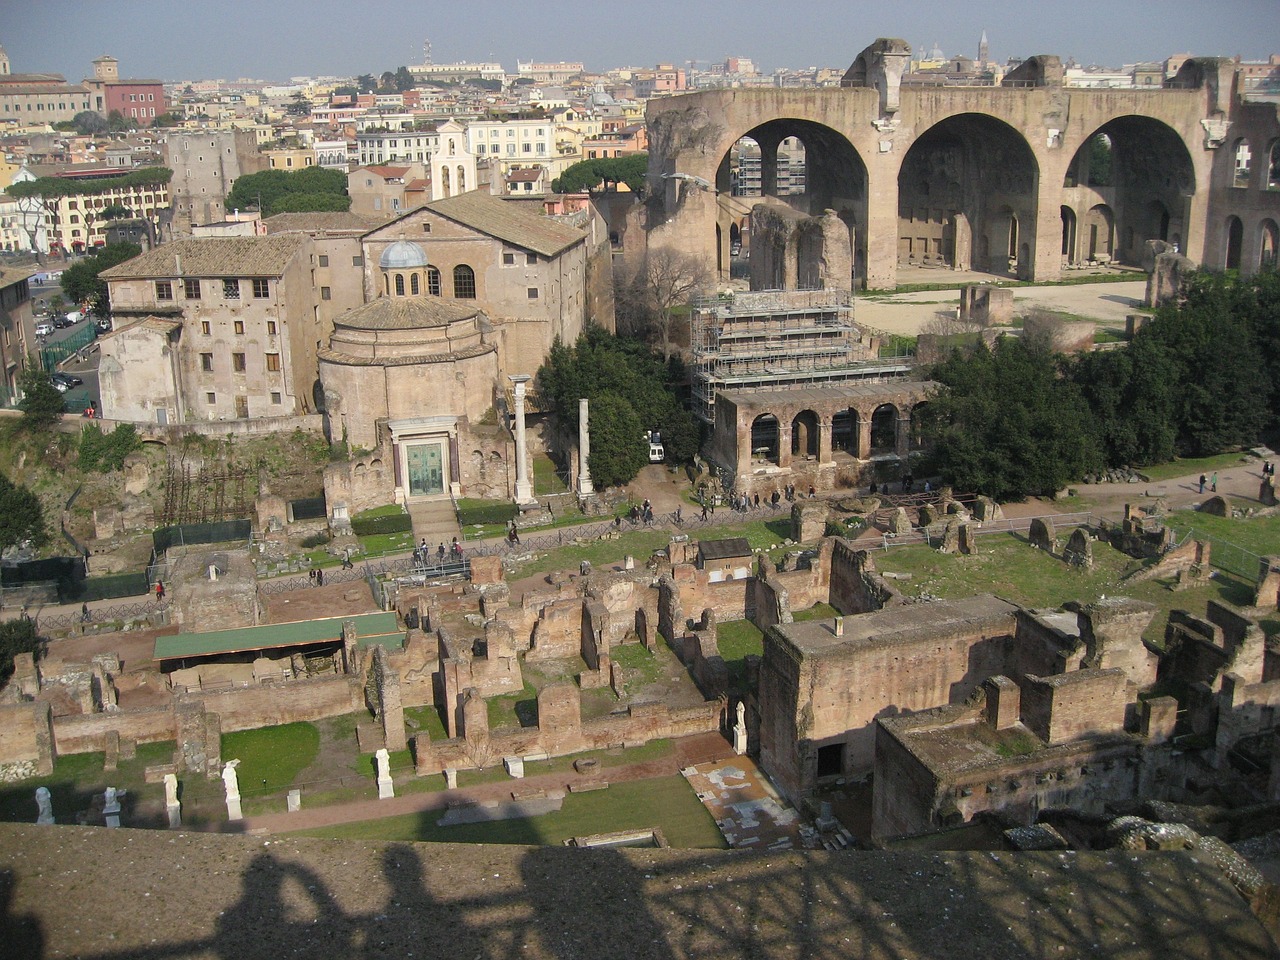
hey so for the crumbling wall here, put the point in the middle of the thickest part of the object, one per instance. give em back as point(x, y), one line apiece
point(246, 708)
point(27, 739)
point(1072, 705)
point(855, 585)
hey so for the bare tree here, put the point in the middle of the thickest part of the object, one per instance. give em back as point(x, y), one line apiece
point(648, 302)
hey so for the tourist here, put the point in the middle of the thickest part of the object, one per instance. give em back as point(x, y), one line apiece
point(812, 493)
point(311, 575)
point(85, 616)
point(1202, 482)
point(1213, 482)
point(757, 501)
point(159, 591)
point(704, 511)
point(456, 549)
point(319, 578)
point(773, 500)
point(440, 552)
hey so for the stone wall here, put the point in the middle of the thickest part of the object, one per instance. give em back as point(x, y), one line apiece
point(26, 737)
point(87, 732)
point(1071, 705)
point(855, 585)
point(267, 705)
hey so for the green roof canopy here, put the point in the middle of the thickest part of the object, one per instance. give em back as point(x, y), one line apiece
point(371, 628)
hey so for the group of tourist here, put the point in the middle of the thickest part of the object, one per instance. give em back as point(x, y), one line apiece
point(422, 552)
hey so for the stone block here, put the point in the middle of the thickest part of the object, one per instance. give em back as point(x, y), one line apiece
point(486, 570)
point(294, 801)
point(514, 766)
point(1217, 506)
point(1042, 534)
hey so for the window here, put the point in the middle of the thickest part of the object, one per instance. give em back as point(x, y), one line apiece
point(508, 259)
point(273, 362)
point(433, 281)
point(261, 288)
point(531, 258)
point(426, 228)
point(399, 284)
point(326, 293)
point(164, 290)
point(533, 293)
point(464, 282)
point(211, 398)
point(230, 289)
point(324, 260)
point(191, 289)
point(206, 364)
point(1243, 158)
point(1273, 171)
point(205, 328)
point(275, 397)
point(413, 284)
point(237, 362)
point(357, 261)
point(271, 328)
point(239, 327)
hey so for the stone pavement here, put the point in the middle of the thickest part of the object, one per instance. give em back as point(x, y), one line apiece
point(746, 808)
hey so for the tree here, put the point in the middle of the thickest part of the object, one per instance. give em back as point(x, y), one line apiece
point(598, 174)
point(118, 123)
point(299, 105)
point(651, 301)
point(601, 365)
point(21, 515)
point(87, 123)
point(403, 79)
point(346, 91)
point(41, 403)
point(167, 120)
point(270, 188)
point(387, 82)
point(1007, 424)
point(81, 281)
point(18, 636)
point(366, 83)
point(116, 211)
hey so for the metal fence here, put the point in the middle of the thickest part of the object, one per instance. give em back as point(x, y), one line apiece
point(223, 531)
point(1227, 556)
point(116, 613)
point(79, 338)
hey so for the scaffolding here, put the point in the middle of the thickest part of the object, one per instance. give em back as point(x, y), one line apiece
point(780, 339)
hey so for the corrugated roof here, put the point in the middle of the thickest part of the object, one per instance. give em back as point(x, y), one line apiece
point(379, 628)
point(724, 549)
point(488, 214)
point(213, 257)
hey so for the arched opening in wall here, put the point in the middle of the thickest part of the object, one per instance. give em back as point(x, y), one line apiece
point(844, 436)
point(1099, 238)
point(884, 429)
point(919, 417)
point(1068, 235)
point(1268, 241)
point(804, 435)
point(962, 184)
point(413, 284)
point(764, 438)
point(806, 165)
point(1242, 158)
point(1273, 167)
point(464, 282)
point(462, 180)
point(1234, 242)
point(399, 284)
point(433, 281)
point(719, 249)
point(1142, 174)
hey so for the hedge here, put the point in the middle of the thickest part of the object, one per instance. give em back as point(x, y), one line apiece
point(396, 523)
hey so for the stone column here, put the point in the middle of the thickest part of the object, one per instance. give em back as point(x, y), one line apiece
point(824, 442)
point(172, 805)
point(524, 490)
point(585, 488)
point(784, 443)
point(902, 437)
point(863, 425)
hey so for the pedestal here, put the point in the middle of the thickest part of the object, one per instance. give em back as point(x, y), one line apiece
point(386, 789)
point(175, 815)
point(515, 767)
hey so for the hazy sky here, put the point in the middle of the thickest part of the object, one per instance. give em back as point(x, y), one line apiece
point(277, 39)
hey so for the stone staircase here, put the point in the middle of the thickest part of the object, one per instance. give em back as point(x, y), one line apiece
point(435, 522)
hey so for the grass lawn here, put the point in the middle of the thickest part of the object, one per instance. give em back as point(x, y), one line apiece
point(819, 611)
point(378, 543)
point(1194, 467)
point(271, 757)
point(514, 709)
point(736, 640)
point(668, 803)
point(640, 667)
point(545, 479)
point(1260, 535)
point(425, 720)
point(390, 510)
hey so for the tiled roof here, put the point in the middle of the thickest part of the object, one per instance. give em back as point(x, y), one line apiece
point(324, 220)
point(213, 257)
point(730, 548)
point(530, 174)
point(498, 218)
point(407, 313)
point(388, 172)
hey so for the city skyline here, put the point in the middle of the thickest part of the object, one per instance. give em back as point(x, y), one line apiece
point(290, 38)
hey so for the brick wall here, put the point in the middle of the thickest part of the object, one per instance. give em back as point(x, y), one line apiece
point(1071, 705)
point(87, 732)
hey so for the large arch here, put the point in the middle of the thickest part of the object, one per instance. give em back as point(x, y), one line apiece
point(1234, 236)
point(963, 184)
point(1268, 243)
point(834, 177)
point(1144, 176)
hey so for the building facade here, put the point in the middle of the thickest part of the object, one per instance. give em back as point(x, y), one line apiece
point(205, 165)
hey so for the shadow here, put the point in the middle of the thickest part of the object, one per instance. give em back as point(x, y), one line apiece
point(1123, 301)
point(23, 935)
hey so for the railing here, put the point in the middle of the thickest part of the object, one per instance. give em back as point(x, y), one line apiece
point(117, 613)
point(1227, 556)
point(1014, 525)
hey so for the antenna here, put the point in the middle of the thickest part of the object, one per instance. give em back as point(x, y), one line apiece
point(426, 52)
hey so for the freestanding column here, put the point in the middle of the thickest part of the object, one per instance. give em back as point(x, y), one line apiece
point(524, 491)
point(585, 488)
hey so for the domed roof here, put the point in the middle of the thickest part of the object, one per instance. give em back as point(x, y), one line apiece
point(403, 255)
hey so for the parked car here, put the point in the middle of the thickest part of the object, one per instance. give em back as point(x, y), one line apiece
point(70, 379)
point(75, 316)
point(103, 324)
point(44, 328)
point(60, 385)
point(62, 322)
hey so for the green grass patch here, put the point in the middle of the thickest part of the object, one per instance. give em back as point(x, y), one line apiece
point(390, 510)
point(514, 709)
point(271, 757)
point(640, 667)
point(426, 720)
point(737, 639)
point(1193, 467)
point(667, 803)
point(545, 478)
point(379, 543)
point(1259, 535)
point(473, 512)
point(819, 611)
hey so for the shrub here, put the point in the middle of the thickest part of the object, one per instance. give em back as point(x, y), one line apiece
point(370, 526)
point(318, 539)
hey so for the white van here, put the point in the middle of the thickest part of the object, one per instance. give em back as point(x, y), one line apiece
point(657, 453)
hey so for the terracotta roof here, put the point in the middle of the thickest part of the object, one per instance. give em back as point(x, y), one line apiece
point(388, 172)
point(530, 174)
point(407, 313)
point(213, 257)
point(488, 214)
point(43, 89)
point(325, 220)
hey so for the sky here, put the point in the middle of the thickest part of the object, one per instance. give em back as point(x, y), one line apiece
point(278, 39)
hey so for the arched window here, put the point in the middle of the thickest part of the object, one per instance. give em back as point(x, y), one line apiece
point(433, 281)
point(413, 284)
point(1243, 158)
point(462, 180)
point(451, 146)
point(1273, 167)
point(464, 282)
point(444, 181)
point(1235, 240)
point(399, 284)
